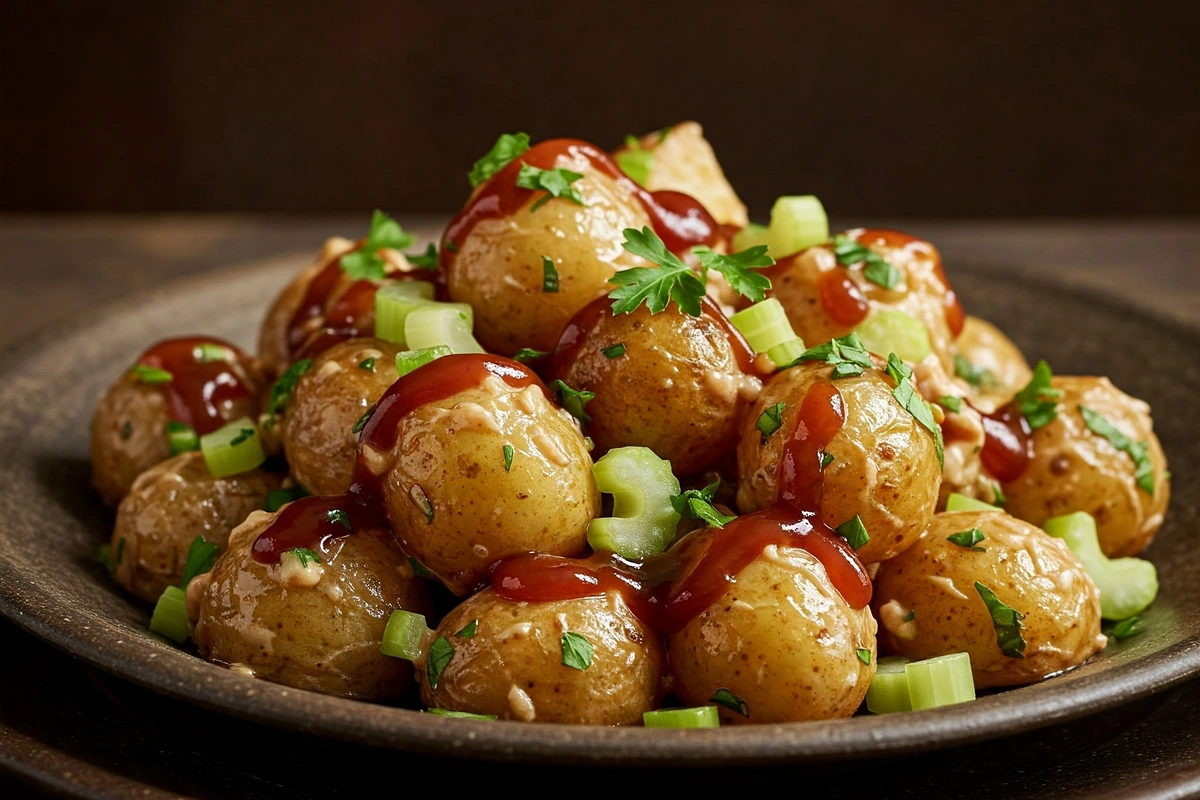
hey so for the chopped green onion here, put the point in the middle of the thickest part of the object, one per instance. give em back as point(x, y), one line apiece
point(232, 449)
point(752, 235)
point(797, 223)
point(150, 375)
point(170, 617)
point(201, 556)
point(888, 691)
point(890, 330)
point(644, 520)
point(960, 502)
point(443, 712)
point(409, 360)
point(615, 351)
point(404, 635)
point(181, 438)
point(765, 326)
point(394, 301)
point(210, 352)
point(508, 457)
point(941, 681)
point(1127, 585)
point(441, 325)
point(699, 717)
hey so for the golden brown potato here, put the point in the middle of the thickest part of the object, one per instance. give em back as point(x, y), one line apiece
point(171, 504)
point(499, 270)
point(513, 665)
point(934, 582)
point(825, 300)
point(1004, 369)
point(680, 386)
point(456, 507)
point(683, 161)
point(1074, 469)
point(781, 638)
point(314, 627)
point(318, 427)
point(129, 435)
point(884, 468)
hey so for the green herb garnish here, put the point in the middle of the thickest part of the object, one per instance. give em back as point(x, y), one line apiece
point(282, 389)
point(1138, 451)
point(1038, 401)
point(614, 351)
point(726, 698)
point(854, 532)
point(506, 148)
point(635, 161)
point(770, 420)
point(670, 280)
point(911, 615)
point(120, 551)
point(826, 460)
point(209, 353)
point(201, 556)
point(864, 655)
point(365, 262)
point(367, 364)
point(736, 268)
point(150, 375)
point(305, 555)
point(914, 404)
point(527, 354)
point(468, 630)
point(576, 651)
point(508, 457)
point(978, 377)
point(573, 400)
point(280, 497)
point(554, 182)
point(849, 252)
point(127, 430)
point(339, 517)
point(419, 569)
point(362, 421)
point(1006, 621)
point(847, 356)
point(427, 260)
point(181, 438)
point(968, 539)
point(549, 276)
point(951, 403)
point(998, 498)
point(697, 504)
point(1131, 626)
point(440, 653)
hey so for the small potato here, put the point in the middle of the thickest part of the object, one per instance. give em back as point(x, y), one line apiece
point(684, 161)
point(315, 627)
point(318, 427)
point(679, 386)
point(825, 300)
point(1004, 370)
point(129, 435)
point(171, 504)
point(884, 468)
point(456, 506)
point(499, 268)
point(1074, 469)
point(1037, 575)
point(513, 665)
point(781, 638)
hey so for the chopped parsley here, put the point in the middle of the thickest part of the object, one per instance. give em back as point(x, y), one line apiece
point(282, 389)
point(737, 269)
point(1138, 451)
point(864, 655)
point(770, 420)
point(1038, 401)
point(1130, 626)
point(339, 517)
point(426, 260)
point(127, 430)
point(365, 262)
point(697, 504)
point(724, 697)
point(576, 651)
point(968, 539)
point(635, 161)
point(998, 498)
point(826, 460)
point(508, 457)
point(468, 630)
point(847, 356)
point(554, 182)
point(280, 497)
point(614, 351)
point(506, 148)
point(911, 615)
point(419, 569)
point(914, 404)
point(549, 276)
point(151, 375)
point(209, 353)
point(573, 400)
point(849, 252)
point(367, 364)
point(362, 421)
point(305, 555)
point(201, 556)
point(670, 278)
point(1006, 621)
point(527, 354)
point(440, 653)
point(977, 377)
point(951, 403)
point(854, 532)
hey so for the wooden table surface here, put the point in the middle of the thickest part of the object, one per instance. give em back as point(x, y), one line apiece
point(54, 268)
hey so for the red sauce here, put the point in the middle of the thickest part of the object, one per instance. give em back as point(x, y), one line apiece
point(1007, 447)
point(841, 298)
point(199, 390)
point(314, 523)
point(541, 578)
point(801, 477)
point(678, 219)
point(312, 307)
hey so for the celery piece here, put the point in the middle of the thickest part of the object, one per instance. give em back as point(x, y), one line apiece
point(785, 354)
point(941, 681)
point(890, 330)
point(232, 449)
point(797, 223)
point(1127, 585)
point(181, 438)
point(170, 617)
point(441, 325)
point(394, 301)
point(765, 325)
point(750, 236)
point(960, 502)
point(409, 360)
point(699, 717)
point(404, 635)
point(643, 521)
point(888, 691)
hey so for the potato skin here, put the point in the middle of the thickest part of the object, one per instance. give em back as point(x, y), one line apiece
point(679, 388)
point(171, 504)
point(1028, 570)
point(136, 409)
point(498, 267)
point(513, 668)
point(323, 637)
point(985, 346)
point(781, 638)
point(451, 452)
point(317, 429)
point(1074, 469)
point(884, 469)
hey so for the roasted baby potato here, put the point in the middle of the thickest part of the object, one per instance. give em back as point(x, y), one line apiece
point(995, 367)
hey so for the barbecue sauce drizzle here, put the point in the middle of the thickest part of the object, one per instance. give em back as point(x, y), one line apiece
point(198, 389)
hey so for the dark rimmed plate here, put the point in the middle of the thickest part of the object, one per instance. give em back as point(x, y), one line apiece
point(51, 524)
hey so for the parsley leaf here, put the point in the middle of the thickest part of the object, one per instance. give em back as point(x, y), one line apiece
point(615, 351)
point(419, 569)
point(1038, 401)
point(573, 400)
point(468, 630)
point(554, 182)
point(150, 375)
point(201, 556)
point(914, 404)
point(968, 539)
point(506, 148)
point(549, 276)
point(365, 262)
point(847, 355)
point(634, 161)
point(305, 555)
point(1006, 621)
point(736, 269)
point(363, 420)
point(770, 420)
point(864, 655)
point(1138, 451)
point(849, 252)
point(697, 504)
point(911, 615)
point(426, 260)
point(527, 354)
point(280, 497)
point(339, 517)
point(1131, 626)
point(724, 697)
point(998, 498)
point(826, 460)
point(281, 390)
point(670, 280)
point(951, 403)
point(576, 651)
point(508, 457)
point(367, 364)
point(440, 653)
point(977, 377)
point(854, 532)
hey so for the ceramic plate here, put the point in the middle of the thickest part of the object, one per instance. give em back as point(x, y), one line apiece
point(51, 524)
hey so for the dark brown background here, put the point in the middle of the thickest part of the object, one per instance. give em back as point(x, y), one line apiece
point(912, 108)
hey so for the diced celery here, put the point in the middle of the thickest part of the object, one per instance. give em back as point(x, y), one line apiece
point(766, 328)
point(181, 438)
point(890, 330)
point(644, 520)
point(941, 681)
point(441, 325)
point(408, 360)
point(170, 617)
point(404, 635)
point(784, 354)
point(797, 223)
point(699, 717)
point(1127, 585)
point(394, 301)
point(750, 236)
point(888, 691)
point(232, 449)
point(960, 502)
